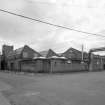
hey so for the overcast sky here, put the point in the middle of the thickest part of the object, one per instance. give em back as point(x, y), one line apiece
point(85, 15)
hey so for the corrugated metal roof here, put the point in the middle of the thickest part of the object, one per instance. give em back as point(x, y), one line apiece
point(44, 53)
point(15, 52)
point(74, 54)
point(49, 53)
point(19, 50)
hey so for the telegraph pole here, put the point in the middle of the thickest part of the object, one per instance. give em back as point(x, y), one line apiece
point(82, 52)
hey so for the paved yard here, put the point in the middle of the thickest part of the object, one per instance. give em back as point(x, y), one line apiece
point(57, 89)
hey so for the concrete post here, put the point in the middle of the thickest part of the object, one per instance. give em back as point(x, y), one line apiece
point(90, 62)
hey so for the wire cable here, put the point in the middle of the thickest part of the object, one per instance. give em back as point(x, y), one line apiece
point(44, 22)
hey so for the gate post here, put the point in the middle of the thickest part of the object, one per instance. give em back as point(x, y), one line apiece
point(90, 61)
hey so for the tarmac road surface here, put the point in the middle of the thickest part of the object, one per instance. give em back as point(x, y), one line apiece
point(3, 100)
point(55, 89)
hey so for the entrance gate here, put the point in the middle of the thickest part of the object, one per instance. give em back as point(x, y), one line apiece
point(90, 56)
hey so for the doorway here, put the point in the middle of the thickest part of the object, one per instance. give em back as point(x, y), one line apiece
point(12, 66)
point(104, 66)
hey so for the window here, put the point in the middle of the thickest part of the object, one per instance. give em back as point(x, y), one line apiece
point(25, 54)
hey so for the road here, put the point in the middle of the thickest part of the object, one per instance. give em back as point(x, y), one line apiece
point(3, 87)
point(56, 89)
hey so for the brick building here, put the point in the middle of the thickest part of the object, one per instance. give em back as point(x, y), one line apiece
point(15, 57)
point(28, 60)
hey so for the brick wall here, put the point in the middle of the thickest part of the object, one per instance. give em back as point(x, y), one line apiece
point(63, 66)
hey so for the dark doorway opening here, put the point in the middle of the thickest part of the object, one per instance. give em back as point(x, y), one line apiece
point(3, 65)
point(104, 66)
point(12, 66)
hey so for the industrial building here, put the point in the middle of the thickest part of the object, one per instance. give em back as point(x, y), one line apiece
point(26, 59)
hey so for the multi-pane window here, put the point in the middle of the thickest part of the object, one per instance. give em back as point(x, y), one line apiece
point(25, 55)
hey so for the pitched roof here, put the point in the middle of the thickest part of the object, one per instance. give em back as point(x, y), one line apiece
point(48, 53)
point(51, 53)
point(74, 53)
point(19, 51)
point(71, 51)
point(15, 52)
point(44, 53)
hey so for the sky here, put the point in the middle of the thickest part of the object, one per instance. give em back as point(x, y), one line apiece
point(84, 15)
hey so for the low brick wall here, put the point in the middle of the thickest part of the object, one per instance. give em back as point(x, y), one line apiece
point(52, 65)
point(38, 65)
point(31, 66)
point(64, 66)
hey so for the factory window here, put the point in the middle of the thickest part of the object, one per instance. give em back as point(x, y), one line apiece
point(25, 54)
